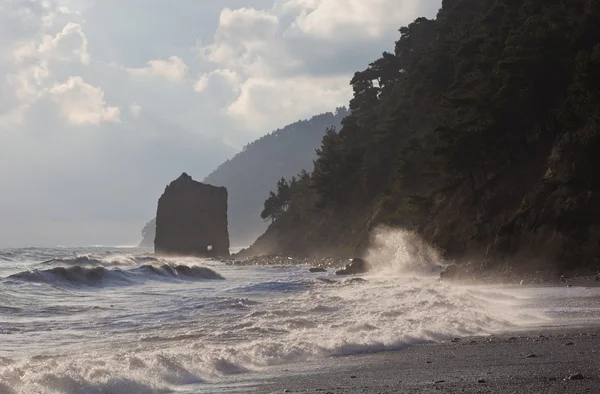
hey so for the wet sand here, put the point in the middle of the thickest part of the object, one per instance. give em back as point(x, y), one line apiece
point(539, 361)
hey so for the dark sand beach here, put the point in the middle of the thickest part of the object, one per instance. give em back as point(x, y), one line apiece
point(541, 361)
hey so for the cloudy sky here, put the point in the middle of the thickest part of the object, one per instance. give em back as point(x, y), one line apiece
point(104, 102)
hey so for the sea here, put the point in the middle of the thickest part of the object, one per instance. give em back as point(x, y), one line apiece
point(122, 320)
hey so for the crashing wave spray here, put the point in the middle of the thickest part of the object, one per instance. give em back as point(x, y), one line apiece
point(402, 252)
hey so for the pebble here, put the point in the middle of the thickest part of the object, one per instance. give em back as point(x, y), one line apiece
point(532, 355)
point(439, 381)
point(576, 376)
point(481, 381)
point(353, 377)
point(456, 340)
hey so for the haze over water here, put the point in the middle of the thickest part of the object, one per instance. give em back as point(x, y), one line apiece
point(121, 320)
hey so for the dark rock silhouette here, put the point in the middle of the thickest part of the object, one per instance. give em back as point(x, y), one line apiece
point(191, 220)
point(317, 269)
point(356, 266)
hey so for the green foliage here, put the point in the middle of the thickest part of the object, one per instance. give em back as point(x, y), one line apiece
point(462, 99)
point(278, 203)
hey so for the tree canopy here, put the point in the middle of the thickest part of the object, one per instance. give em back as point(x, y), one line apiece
point(462, 101)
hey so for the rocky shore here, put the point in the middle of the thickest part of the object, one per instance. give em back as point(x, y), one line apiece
point(465, 273)
point(278, 260)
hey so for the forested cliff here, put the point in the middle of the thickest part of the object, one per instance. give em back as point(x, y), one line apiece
point(480, 131)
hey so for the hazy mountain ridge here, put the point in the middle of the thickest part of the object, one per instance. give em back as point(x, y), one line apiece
point(460, 136)
point(252, 173)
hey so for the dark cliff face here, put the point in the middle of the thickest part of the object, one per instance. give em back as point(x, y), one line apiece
point(560, 219)
point(191, 220)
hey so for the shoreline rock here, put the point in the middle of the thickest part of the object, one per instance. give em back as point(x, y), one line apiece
point(191, 220)
point(356, 266)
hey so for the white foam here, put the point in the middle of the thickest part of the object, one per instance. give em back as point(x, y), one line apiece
point(383, 314)
point(401, 304)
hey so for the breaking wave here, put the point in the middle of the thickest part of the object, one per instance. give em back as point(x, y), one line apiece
point(151, 339)
point(114, 261)
point(101, 276)
point(326, 321)
point(180, 271)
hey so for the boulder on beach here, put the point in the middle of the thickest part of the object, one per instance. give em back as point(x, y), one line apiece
point(356, 266)
point(191, 220)
point(317, 269)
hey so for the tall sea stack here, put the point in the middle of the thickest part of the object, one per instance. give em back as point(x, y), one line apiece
point(191, 220)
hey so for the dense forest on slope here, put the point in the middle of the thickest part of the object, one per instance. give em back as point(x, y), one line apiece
point(480, 131)
point(250, 174)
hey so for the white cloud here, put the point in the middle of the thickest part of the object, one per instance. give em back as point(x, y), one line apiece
point(54, 13)
point(83, 104)
point(69, 44)
point(247, 41)
point(264, 103)
point(173, 69)
point(24, 51)
point(253, 25)
point(350, 19)
point(223, 79)
point(35, 36)
point(28, 82)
